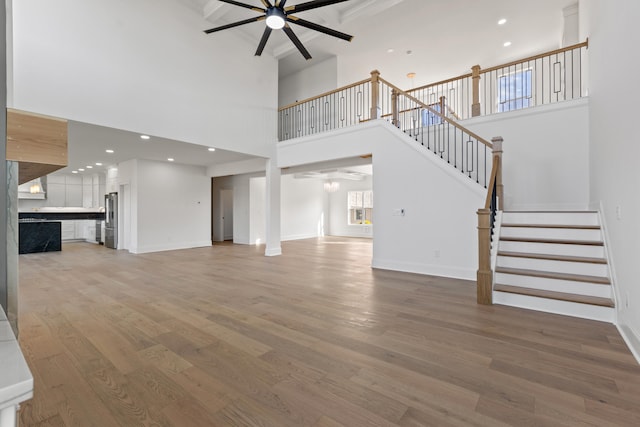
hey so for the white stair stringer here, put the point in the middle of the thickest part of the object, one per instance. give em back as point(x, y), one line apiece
point(553, 262)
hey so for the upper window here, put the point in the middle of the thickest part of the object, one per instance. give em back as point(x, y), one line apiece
point(360, 207)
point(514, 91)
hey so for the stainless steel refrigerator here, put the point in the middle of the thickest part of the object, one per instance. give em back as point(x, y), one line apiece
point(111, 220)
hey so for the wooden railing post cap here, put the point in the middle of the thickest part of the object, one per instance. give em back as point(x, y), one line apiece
point(375, 74)
point(475, 70)
point(497, 143)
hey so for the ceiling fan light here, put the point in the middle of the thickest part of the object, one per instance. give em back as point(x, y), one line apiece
point(275, 19)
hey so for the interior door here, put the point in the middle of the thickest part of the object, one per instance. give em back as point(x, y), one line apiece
point(226, 197)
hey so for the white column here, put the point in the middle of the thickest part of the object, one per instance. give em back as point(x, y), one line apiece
point(8, 417)
point(273, 208)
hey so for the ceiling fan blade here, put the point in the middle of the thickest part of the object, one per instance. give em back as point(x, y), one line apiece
point(266, 3)
point(263, 41)
point(314, 4)
point(248, 6)
point(235, 24)
point(280, 3)
point(320, 28)
point(296, 41)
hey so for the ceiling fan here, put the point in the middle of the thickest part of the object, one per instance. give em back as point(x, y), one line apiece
point(278, 16)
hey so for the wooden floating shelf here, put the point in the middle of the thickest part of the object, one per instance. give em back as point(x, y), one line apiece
point(37, 142)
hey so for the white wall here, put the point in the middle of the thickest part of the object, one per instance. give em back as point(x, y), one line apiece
point(66, 190)
point(242, 209)
point(257, 220)
point(302, 208)
point(338, 214)
point(125, 176)
point(173, 207)
point(312, 81)
point(438, 234)
point(615, 145)
point(546, 154)
point(143, 66)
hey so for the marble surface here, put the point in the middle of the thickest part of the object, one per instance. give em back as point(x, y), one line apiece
point(16, 381)
point(12, 244)
point(40, 236)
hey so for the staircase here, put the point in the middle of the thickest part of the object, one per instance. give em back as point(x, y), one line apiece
point(554, 262)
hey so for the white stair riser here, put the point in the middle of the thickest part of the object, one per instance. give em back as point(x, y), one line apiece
point(565, 286)
point(573, 218)
point(553, 249)
point(585, 268)
point(585, 311)
point(551, 233)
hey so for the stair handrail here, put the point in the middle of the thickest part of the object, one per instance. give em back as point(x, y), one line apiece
point(486, 222)
point(436, 113)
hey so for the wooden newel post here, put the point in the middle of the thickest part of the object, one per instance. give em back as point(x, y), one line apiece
point(484, 275)
point(475, 81)
point(375, 94)
point(395, 115)
point(497, 151)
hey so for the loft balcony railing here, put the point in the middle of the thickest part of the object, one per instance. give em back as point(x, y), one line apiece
point(537, 80)
point(376, 98)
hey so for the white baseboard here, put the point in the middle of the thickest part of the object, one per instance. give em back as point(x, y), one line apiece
point(298, 237)
point(632, 338)
point(275, 251)
point(428, 269)
point(170, 247)
point(546, 206)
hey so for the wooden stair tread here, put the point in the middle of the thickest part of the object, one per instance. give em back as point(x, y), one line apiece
point(550, 257)
point(557, 241)
point(561, 226)
point(553, 275)
point(561, 296)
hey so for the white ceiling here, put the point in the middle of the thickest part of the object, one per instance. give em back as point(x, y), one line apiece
point(445, 37)
point(88, 144)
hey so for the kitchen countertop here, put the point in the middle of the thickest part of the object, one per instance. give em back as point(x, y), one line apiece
point(16, 381)
point(62, 215)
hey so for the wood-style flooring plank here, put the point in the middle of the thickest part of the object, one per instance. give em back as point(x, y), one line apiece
point(224, 336)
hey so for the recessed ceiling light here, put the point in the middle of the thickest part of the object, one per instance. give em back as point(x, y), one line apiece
point(502, 21)
point(81, 170)
point(212, 149)
point(409, 52)
point(98, 164)
point(89, 167)
point(170, 159)
point(411, 75)
point(109, 151)
point(506, 44)
point(144, 137)
point(74, 171)
point(390, 50)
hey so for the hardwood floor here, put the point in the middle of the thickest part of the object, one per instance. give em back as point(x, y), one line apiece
point(223, 336)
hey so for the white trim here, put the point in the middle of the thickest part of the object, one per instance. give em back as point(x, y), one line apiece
point(299, 237)
point(170, 247)
point(609, 256)
point(632, 338)
point(273, 251)
point(565, 308)
point(539, 109)
point(426, 269)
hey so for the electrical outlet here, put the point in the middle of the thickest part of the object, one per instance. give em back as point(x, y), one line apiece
point(618, 212)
